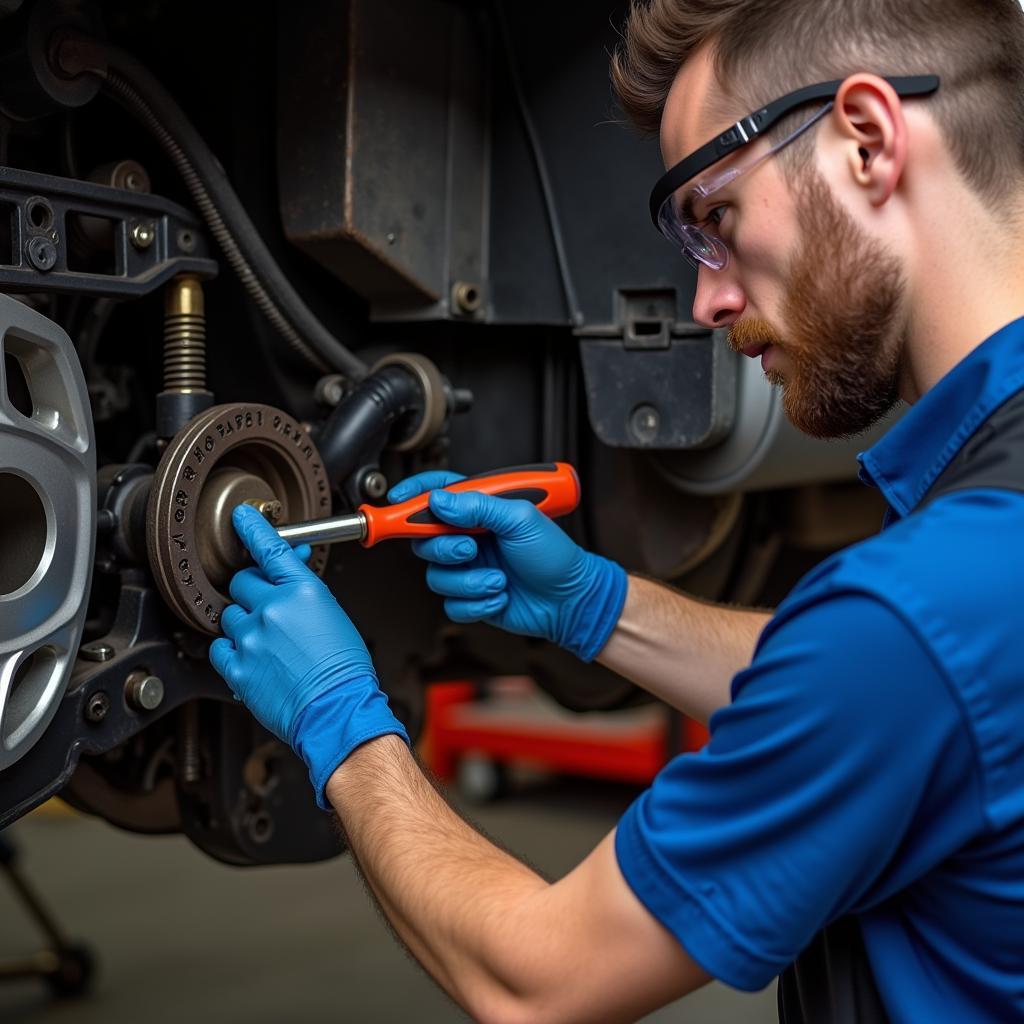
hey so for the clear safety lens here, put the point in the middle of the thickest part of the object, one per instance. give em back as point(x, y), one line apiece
point(699, 247)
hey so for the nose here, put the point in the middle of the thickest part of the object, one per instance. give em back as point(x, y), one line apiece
point(719, 301)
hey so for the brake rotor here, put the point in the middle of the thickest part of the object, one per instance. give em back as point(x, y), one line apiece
point(47, 521)
point(225, 456)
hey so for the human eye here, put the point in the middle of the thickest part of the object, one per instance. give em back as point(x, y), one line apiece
point(714, 217)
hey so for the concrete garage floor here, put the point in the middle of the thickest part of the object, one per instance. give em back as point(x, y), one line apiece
point(181, 938)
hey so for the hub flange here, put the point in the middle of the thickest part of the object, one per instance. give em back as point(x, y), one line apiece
point(224, 456)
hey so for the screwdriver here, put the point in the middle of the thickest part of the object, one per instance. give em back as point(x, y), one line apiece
point(553, 487)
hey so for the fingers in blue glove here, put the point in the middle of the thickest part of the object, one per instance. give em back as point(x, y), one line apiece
point(459, 610)
point(231, 619)
point(274, 556)
point(421, 482)
point(450, 550)
point(471, 509)
point(468, 583)
point(222, 657)
point(249, 587)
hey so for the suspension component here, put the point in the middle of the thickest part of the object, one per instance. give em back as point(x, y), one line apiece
point(184, 395)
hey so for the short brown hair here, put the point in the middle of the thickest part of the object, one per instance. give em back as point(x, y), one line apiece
point(765, 48)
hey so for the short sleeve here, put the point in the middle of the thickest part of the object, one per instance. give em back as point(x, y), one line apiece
point(840, 772)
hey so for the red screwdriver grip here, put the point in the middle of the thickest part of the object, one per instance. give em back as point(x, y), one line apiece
point(553, 487)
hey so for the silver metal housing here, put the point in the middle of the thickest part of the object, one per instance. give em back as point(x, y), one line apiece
point(47, 521)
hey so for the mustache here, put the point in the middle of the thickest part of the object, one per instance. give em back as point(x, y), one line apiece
point(752, 331)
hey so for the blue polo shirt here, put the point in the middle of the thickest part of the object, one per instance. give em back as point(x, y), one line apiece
point(872, 759)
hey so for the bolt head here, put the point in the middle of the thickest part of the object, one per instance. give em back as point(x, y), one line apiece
point(143, 234)
point(644, 423)
point(42, 253)
point(144, 692)
point(97, 707)
point(375, 484)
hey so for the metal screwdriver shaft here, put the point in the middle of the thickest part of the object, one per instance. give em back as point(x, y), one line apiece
point(325, 531)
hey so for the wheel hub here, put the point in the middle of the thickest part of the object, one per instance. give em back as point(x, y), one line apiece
point(227, 455)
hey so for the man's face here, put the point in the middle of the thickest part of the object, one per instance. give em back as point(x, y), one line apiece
point(806, 288)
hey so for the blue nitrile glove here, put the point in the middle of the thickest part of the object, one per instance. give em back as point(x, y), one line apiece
point(294, 657)
point(527, 576)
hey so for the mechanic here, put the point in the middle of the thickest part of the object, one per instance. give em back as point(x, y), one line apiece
point(856, 823)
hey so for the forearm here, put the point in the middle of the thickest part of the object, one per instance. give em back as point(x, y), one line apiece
point(506, 945)
point(457, 901)
point(680, 649)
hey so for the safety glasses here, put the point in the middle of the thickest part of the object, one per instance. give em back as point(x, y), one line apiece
point(676, 197)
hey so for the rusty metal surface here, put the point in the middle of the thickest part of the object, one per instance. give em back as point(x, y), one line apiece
point(383, 154)
point(267, 447)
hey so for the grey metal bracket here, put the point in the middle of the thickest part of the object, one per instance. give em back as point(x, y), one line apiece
point(144, 240)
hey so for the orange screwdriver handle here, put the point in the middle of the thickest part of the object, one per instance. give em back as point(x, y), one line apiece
point(554, 488)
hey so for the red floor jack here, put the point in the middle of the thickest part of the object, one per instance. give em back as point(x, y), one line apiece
point(474, 740)
point(68, 969)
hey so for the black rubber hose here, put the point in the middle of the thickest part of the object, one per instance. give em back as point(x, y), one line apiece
point(134, 87)
point(363, 420)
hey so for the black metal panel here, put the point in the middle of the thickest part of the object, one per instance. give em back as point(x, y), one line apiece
point(601, 173)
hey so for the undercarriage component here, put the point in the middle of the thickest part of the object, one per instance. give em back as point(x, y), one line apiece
point(150, 239)
point(245, 797)
point(409, 235)
point(229, 454)
point(185, 394)
point(127, 81)
point(655, 383)
point(403, 404)
point(47, 521)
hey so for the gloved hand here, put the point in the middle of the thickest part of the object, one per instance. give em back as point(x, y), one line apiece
point(526, 576)
point(294, 657)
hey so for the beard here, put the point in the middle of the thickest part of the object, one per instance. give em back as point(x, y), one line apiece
point(846, 327)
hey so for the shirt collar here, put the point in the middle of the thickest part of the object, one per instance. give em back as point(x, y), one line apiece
point(909, 458)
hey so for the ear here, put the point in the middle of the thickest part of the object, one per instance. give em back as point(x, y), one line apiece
point(868, 115)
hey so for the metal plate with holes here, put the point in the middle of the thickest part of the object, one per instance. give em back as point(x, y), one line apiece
point(47, 521)
point(225, 455)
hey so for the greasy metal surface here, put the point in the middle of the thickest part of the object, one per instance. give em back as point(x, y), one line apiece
point(255, 439)
point(133, 271)
point(220, 551)
point(47, 524)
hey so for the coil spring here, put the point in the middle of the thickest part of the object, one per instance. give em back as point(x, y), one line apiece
point(185, 336)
